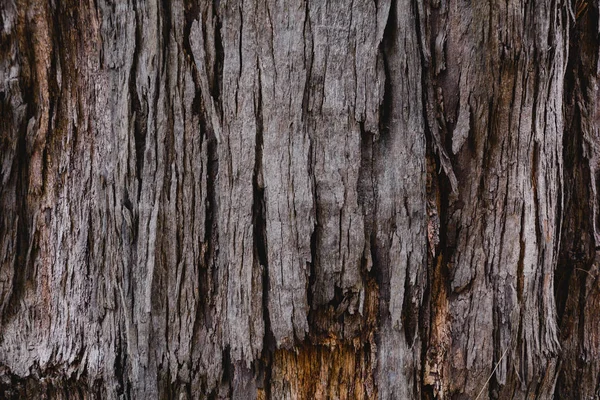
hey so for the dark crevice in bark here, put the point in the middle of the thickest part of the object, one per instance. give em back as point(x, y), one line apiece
point(381, 268)
point(311, 267)
point(434, 84)
point(534, 183)
point(165, 25)
point(410, 314)
point(572, 162)
point(575, 250)
point(575, 279)
point(207, 266)
point(52, 384)
point(211, 222)
point(367, 201)
point(442, 185)
point(385, 108)
point(192, 14)
point(410, 308)
point(139, 111)
point(308, 65)
point(315, 235)
point(216, 86)
point(433, 228)
point(313, 273)
point(338, 298)
point(21, 170)
point(438, 287)
point(308, 53)
point(366, 196)
point(262, 367)
point(521, 262)
point(124, 388)
point(23, 231)
point(228, 372)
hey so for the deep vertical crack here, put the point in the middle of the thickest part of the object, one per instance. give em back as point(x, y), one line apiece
point(263, 365)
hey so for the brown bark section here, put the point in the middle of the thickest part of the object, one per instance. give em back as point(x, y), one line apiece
point(339, 372)
point(315, 199)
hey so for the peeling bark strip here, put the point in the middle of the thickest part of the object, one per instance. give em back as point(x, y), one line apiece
point(299, 199)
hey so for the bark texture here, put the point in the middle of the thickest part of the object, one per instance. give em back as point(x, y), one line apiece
point(263, 199)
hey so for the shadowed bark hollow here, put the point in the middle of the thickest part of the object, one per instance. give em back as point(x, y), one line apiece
point(262, 199)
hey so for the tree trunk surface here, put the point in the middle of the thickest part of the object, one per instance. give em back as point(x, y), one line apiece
point(260, 199)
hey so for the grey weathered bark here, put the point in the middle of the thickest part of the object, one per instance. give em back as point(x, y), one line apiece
point(299, 199)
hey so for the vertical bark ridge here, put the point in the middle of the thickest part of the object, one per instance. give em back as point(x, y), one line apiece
point(238, 269)
point(400, 232)
point(289, 202)
point(502, 118)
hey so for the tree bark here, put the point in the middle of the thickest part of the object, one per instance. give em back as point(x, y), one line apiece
point(264, 199)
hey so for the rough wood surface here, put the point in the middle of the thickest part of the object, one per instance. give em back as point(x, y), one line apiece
point(501, 110)
point(299, 199)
